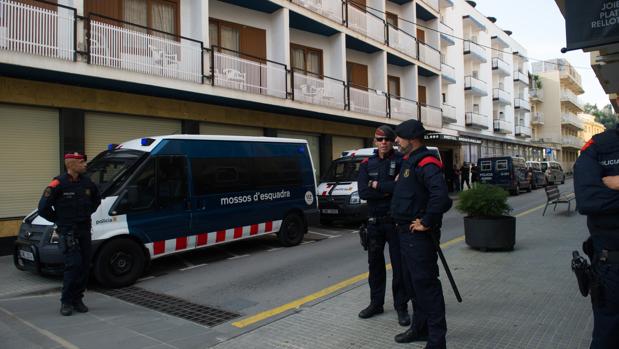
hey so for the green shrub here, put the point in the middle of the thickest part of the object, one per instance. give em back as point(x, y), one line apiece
point(484, 200)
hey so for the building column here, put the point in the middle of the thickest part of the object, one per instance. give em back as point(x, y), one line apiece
point(326, 152)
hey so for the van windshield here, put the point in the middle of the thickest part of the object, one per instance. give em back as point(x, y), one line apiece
point(344, 170)
point(109, 166)
point(544, 166)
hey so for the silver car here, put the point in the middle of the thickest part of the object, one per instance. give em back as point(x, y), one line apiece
point(553, 172)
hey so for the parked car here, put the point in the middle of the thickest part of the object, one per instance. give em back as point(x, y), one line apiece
point(538, 179)
point(508, 172)
point(553, 172)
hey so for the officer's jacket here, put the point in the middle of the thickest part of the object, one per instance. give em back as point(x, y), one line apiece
point(384, 171)
point(598, 158)
point(67, 201)
point(420, 191)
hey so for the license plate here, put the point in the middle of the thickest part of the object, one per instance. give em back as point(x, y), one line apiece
point(26, 255)
point(330, 211)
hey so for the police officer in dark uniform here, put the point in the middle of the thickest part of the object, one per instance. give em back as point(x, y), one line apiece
point(68, 201)
point(596, 185)
point(420, 198)
point(375, 183)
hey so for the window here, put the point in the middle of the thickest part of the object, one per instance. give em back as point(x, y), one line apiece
point(225, 35)
point(306, 59)
point(238, 40)
point(393, 85)
point(144, 184)
point(221, 175)
point(277, 171)
point(501, 165)
point(392, 19)
point(171, 181)
point(486, 166)
point(162, 15)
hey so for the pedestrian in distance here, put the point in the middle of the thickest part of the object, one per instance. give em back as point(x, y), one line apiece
point(456, 170)
point(474, 174)
point(375, 182)
point(68, 201)
point(420, 198)
point(464, 174)
point(596, 185)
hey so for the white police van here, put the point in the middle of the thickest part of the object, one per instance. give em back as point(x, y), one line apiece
point(169, 194)
point(338, 196)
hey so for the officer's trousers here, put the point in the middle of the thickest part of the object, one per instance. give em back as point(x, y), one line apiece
point(606, 314)
point(76, 262)
point(378, 235)
point(420, 262)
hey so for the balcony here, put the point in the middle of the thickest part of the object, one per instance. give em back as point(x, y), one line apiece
point(502, 127)
point(521, 77)
point(572, 142)
point(429, 55)
point(572, 120)
point(446, 3)
point(501, 96)
point(501, 67)
point(536, 95)
point(323, 90)
point(537, 118)
point(571, 101)
point(433, 4)
point(448, 73)
point(331, 9)
point(402, 41)
point(402, 109)
point(570, 77)
point(475, 86)
point(38, 31)
point(368, 101)
point(521, 103)
point(523, 131)
point(431, 116)
point(476, 120)
point(449, 114)
point(475, 51)
point(447, 33)
point(366, 23)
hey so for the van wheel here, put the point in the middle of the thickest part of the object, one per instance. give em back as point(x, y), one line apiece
point(119, 263)
point(292, 230)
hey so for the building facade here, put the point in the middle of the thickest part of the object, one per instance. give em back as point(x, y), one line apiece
point(590, 126)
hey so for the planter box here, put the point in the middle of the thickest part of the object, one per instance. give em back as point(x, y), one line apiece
point(490, 232)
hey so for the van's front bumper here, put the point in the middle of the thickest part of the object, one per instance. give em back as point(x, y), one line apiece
point(34, 252)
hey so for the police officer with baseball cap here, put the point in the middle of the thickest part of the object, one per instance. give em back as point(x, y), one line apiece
point(419, 200)
point(68, 201)
point(375, 182)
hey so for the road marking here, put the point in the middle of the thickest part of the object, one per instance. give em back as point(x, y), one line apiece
point(530, 210)
point(193, 267)
point(146, 278)
point(187, 263)
point(239, 256)
point(327, 235)
point(307, 242)
point(274, 249)
point(61, 341)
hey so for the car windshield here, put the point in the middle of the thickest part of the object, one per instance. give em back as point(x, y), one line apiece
point(111, 165)
point(544, 166)
point(344, 170)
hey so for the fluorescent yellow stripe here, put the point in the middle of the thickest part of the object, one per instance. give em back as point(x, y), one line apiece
point(529, 211)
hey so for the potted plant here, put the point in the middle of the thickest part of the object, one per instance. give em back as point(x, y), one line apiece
point(487, 224)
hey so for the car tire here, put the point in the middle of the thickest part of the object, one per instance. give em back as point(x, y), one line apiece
point(516, 191)
point(292, 230)
point(119, 263)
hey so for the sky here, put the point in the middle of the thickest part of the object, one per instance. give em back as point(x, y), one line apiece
point(539, 26)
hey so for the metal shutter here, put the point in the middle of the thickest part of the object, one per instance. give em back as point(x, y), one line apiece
point(345, 143)
point(314, 146)
point(29, 154)
point(103, 129)
point(207, 128)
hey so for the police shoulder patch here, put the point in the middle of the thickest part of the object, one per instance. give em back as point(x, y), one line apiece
point(365, 161)
point(54, 183)
point(587, 145)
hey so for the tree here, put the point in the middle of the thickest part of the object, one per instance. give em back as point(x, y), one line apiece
point(605, 116)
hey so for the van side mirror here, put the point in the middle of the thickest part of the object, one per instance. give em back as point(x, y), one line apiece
point(133, 195)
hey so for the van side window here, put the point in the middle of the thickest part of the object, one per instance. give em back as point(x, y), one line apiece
point(222, 175)
point(171, 180)
point(277, 171)
point(486, 166)
point(501, 165)
point(144, 182)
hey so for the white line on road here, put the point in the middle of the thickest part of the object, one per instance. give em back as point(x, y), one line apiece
point(193, 267)
point(274, 249)
point(61, 341)
point(237, 257)
point(327, 235)
point(307, 242)
point(146, 278)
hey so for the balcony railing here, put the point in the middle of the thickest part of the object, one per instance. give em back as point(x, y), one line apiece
point(522, 103)
point(402, 109)
point(448, 73)
point(568, 96)
point(501, 66)
point(476, 120)
point(250, 74)
point(327, 8)
point(536, 94)
point(429, 55)
point(433, 4)
point(570, 75)
point(475, 50)
point(537, 118)
point(365, 23)
point(38, 31)
point(475, 85)
point(521, 77)
point(447, 33)
point(572, 142)
point(449, 114)
point(523, 131)
point(131, 47)
point(402, 41)
point(572, 120)
point(430, 116)
point(318, 90)
point(502, 126)
point(503, 97)
point(366, 100)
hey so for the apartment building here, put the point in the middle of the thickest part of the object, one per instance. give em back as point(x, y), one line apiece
point(83, 74)
point(590, 126)
point(560, 108)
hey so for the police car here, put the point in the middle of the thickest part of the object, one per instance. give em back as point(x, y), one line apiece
point(169, 194)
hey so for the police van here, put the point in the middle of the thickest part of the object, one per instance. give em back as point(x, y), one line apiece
point(338, 196)
point(169, 194)
point(508, 172)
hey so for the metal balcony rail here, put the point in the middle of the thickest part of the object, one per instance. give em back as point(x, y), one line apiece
point(401, 41)
point(573, 120)
point(501, 95)
point(474, 83)
point(569, 71)
point(240, 71)
point(523, 130)
point(132, 47)
point(430, 116)
point(520, 76)
point(537, 117)
point(536, 93)
point(475, 49)
point(332, 9)
point(364, 22)
point(520, 102)
point(320, 90)
point(429, 55)
point(571, 97)
point(401, 108)
point(573, 141)
point(449, 112)
point(502, 125)
point(448, 71)
point(476, 119)
point(37, 30)
point(366, 100)
point(500, 64)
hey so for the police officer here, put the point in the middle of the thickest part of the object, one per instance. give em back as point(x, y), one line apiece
point(375, 183)
point(596, 185)
point(68, 201)
point(419, 200)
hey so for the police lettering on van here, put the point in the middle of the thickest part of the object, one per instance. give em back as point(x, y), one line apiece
point(169, 194)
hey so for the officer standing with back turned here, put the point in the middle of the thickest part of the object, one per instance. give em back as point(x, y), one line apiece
point(420, 198)
point(596, 185)
point(375, 182)
point(68, 201)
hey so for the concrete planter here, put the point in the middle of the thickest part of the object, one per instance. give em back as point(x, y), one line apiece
point(486, 233)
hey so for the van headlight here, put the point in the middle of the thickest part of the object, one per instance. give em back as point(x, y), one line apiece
point(54, 238)
point(354, 198)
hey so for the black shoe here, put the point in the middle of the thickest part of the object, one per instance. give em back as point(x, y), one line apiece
point(80, 307)
point(66, 309)
point(370, 311)
point(410, 336)
point(403, 318)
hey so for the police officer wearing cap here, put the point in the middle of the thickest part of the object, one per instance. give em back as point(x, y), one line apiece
point(596, 185)
point(375, 182)
point(419, 200)
point(68, 201)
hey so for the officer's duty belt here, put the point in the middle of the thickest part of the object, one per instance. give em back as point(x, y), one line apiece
point(610, 257)
point(380, 220)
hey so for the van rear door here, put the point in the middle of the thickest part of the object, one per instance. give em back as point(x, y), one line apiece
point(503, 172)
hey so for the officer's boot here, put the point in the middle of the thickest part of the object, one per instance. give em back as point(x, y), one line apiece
point(80, 307)
point(66, 309)
point(411, 335)
point(403, 318)
point(370, 311)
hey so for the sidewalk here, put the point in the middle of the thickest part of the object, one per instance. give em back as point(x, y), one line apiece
point(527, 298)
